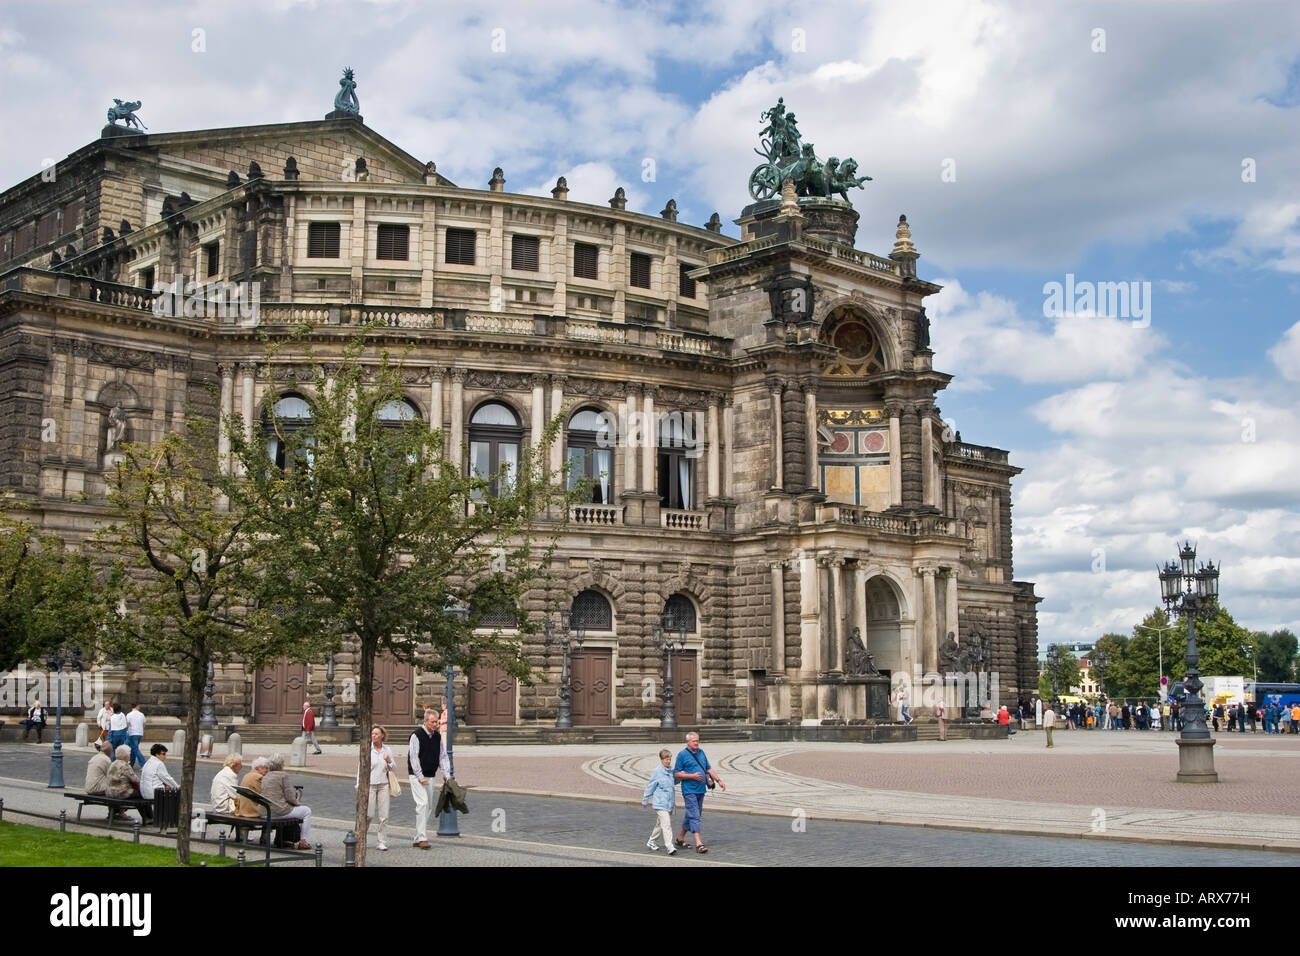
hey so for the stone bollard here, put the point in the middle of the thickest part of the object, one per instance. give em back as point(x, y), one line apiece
point(178, 743)
point(298, 752)
point(83, 735)
point(234, 745)
point(350, 849)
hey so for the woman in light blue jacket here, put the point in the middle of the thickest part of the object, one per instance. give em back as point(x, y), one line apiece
point(659, 793)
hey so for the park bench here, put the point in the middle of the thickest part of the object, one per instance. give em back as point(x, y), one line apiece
point(165, 806)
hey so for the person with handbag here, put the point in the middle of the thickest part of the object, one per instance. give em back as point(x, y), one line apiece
point(383, 781)
point(698, 778)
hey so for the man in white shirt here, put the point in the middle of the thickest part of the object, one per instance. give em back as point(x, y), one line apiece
point(135, 734)
point(426, 754)
point(101, 719)
point(154, 774)
point(223, 796)
point(1049, 721)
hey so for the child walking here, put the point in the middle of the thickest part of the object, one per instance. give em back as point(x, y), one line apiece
point(659, 794)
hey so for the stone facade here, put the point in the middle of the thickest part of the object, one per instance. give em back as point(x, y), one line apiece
point(827, 493)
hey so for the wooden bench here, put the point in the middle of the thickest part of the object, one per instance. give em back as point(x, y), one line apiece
point(103, 800)
point(270, 824)
point(284, 830)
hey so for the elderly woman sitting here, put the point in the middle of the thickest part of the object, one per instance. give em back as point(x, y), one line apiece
point(284, 801)
point(123, 781)
point(223, 796)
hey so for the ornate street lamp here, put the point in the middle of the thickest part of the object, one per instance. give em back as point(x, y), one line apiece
point(56, 661)
point(571, 634)
point(1190, 591)
point(208, 709)
point(448, 821)
point(329, 715)
point(665, 639)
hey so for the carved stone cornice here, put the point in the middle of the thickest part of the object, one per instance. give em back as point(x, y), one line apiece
point(496, 381)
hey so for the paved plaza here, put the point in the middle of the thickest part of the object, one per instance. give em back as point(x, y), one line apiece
point(955, 803)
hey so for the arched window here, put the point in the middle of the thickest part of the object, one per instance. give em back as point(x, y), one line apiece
point(396, 412)
point(679, 613)
point(290, 414)
point(592, 611)
point(494, 436)
point(591, 441)
point(678, 449)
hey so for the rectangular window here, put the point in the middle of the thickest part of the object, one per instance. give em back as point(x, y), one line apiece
point(586, 261)
point(47, 227)
point(524, 253)
point(685, 282)
point(24, 236)
point(323, 240)
point(460, 247)
point(394, 242)
point(72, 216)
point(146, 278)
point(640, 271)
point(212, 256)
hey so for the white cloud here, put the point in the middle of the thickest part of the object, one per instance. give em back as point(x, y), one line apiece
point(1286, 354)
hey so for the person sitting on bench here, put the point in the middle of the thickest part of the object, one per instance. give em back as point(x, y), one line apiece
point(154, 774)
point(223, 797)
point(35, 721)
point(123, 782)
point(284, 801)
point(97, 770)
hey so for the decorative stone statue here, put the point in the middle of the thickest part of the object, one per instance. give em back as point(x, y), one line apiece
point(922, 330)
point(788, 157)
point(858, 661)
point(126, 113)
point(116, 427)
point(950, 654)
point(345, 101)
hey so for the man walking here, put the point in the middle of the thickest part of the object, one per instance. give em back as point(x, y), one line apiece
point(426, 754)
point(135, 734)
point(1049, 722)
point(694, 771)
point(940, 712)
point(309, 726)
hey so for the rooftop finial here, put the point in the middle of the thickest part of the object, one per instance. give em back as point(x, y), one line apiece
point(561, 190)
point(619, 199)
point(498, 181)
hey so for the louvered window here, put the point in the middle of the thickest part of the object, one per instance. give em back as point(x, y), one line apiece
point(394, 242)
point(586, 261)
point(640, 276)
point(524, 253)
point(460, 247)
point(323, 240)
point(212, 257)
point(686, 283)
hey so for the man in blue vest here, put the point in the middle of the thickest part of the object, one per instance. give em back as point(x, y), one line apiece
point(425, 756)
point(693, 770)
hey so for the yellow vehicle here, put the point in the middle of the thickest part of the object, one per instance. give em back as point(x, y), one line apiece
point(1070, 699)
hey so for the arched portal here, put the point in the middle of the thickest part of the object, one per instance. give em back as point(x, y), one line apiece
point(884, 638)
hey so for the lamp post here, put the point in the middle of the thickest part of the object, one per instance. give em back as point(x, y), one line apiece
point(56, 662)
point(1160, 645)
point(665, 639)
point(208, 709)
point(448, 821)
point(571, 634)
point(1190, 591)
point(329, 716)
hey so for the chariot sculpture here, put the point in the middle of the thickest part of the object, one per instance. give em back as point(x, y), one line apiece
point(786, 156)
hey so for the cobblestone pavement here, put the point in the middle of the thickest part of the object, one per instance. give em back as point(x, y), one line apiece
point(515, 830)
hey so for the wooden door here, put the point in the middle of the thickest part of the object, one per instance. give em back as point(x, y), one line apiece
point(491, 697)
point(394, 689)
point(279, 693)
point(685, 688)
point(591, 680)
point(758, 681)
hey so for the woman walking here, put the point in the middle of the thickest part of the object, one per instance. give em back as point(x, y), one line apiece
point(381, 765)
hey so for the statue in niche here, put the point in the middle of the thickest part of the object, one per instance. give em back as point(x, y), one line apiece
point(858, 661)
point(116, 428)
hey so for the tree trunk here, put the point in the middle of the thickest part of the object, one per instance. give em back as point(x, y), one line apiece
point(365, 708)
point(198, 678)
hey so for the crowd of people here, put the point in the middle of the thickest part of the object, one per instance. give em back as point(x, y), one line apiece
point(1269, 717)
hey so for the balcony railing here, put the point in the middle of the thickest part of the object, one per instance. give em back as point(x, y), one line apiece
point(603, 515)
point(979, 453)
point(911, 525)
point(677, 520)
point(500, 323)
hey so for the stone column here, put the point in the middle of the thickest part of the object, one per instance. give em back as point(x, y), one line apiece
point(630, 440)
point(860, 601)
point(778, 453)
point(929, 622)
point(457, 417)
point(247, 376)
point(438, 380)
point(895, 456)
point(837, 640)
point(557, 406)
point(713, 451)
point(538, 408)
point(927, 457)
point(728, 442)
point(227, 371)
point(809, 616)
point(950, 604)
point(650, 441)
point(810, 425)
point(778, 618)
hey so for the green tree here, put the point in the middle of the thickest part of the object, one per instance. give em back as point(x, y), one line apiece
point(1061, 670)
point(1277, 656)
point(386, 538)
point(193, 593)
point(1107, 663)
point(50, 595)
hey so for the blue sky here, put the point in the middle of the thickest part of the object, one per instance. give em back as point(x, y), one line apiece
point(1105, 140)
